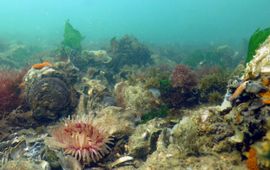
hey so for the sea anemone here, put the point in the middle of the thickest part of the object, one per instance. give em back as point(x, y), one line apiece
point(252, 160)
point(82, 139)
point(41, 65)
point(239, 90)
point(265, 97)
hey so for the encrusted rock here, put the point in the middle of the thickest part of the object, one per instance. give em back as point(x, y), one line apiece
point(135, 97)
point(260, 64)
point(98, 56)
point(117, 121)
point(144, 140)
point(26, 165)
point(170, 159)
point(184, 132)
point(49, 99)
point(49, 91)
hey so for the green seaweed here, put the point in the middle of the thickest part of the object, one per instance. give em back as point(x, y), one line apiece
point(160, 112)
point(165, 85)
point(257, 38)
point(72, 37)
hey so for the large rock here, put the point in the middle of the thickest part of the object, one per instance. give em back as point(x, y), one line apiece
point(49, 91)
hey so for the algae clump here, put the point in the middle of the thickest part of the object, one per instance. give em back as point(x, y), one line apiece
point(165, 85)
point(72, 37)
point(155, 113)
point(257, 38)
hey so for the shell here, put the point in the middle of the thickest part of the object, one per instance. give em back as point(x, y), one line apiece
point(25, 144)
point(121, 161)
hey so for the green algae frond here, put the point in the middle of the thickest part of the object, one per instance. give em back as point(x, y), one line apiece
point(72, 37)
point(257, 38)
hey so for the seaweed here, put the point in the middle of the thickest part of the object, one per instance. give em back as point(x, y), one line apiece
point(216, 55)
point(10, 91)
point(256, 39)
point(155, 113)
point(183, 77)
point(72, 37)
point(212, 86)
point(165, 85)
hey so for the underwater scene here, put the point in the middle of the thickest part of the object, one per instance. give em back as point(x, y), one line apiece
point(134, 84)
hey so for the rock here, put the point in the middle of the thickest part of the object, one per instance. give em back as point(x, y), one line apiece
point(170, 159)
point(51, 157)
point(95, 87)
point(26, 165)
point(205, 129)
point(128, 51)
point(22, 119)
point(260, 63)
point(69, 163)
point(135, 97)
point(226, 104)
point(254, 87)
point(160, 60)
point(187, 148)
point(117, 121)
point(108, 101)
point(98, 56)
point(50, 93)
point(144, 140)
point(24, 144)
point(93, 94)
point(184, 132)
point(49, 99)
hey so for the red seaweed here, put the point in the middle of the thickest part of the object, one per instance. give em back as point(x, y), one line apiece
point(184, 77)
point(10, 89)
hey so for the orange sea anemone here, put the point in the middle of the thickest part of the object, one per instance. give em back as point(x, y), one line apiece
point(41, 65)
point(265, 97)
point(265, 81)
point(82, 139)
point(239, 90)
point(252, 160)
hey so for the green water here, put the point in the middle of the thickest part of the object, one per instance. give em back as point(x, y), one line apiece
point(154, 21)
